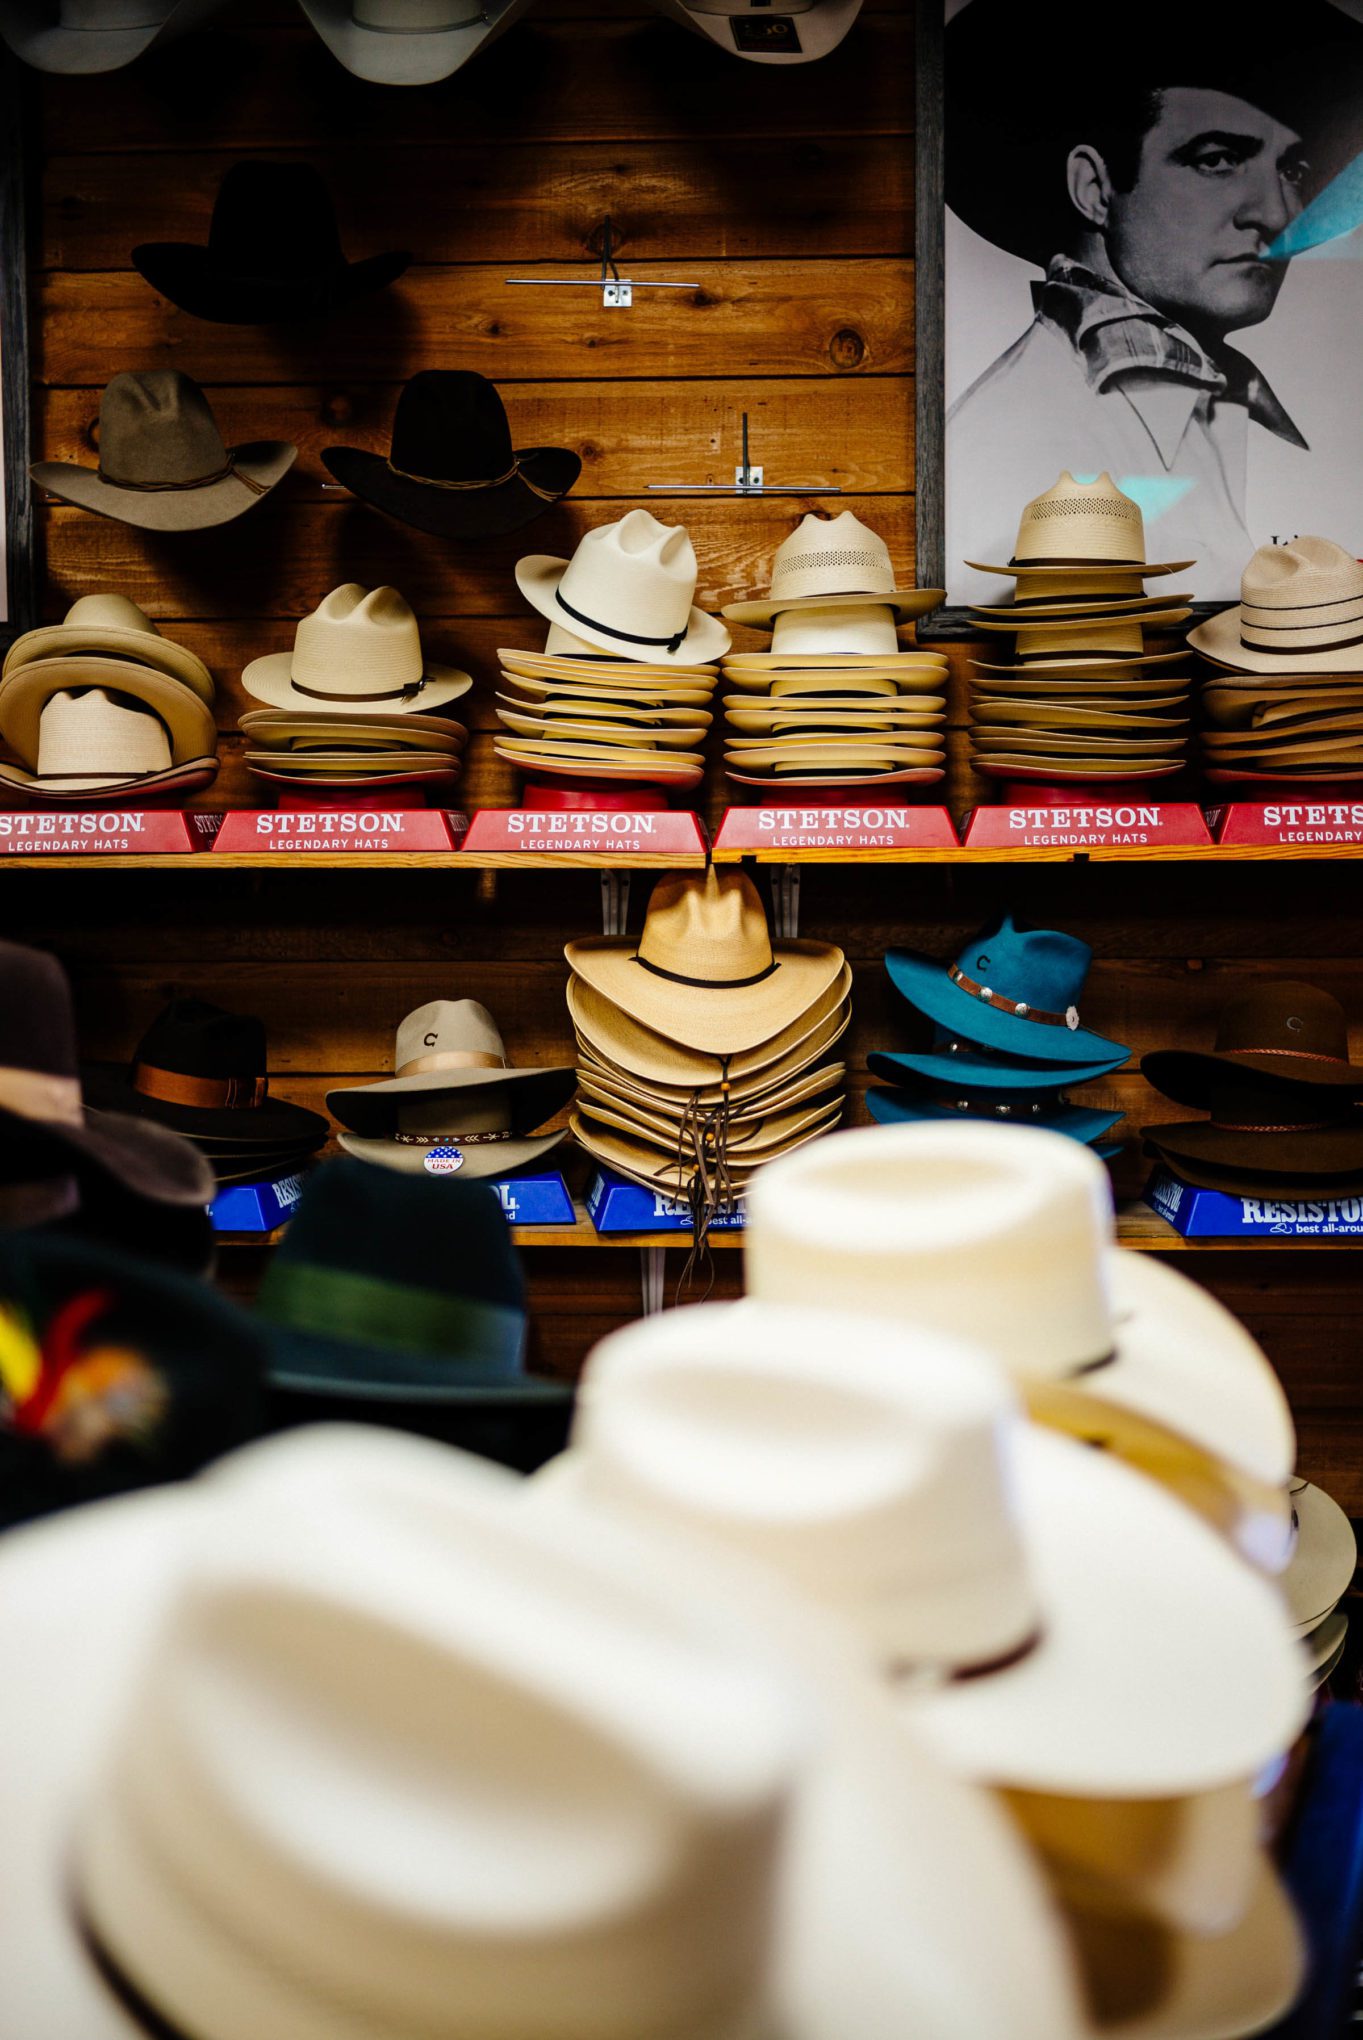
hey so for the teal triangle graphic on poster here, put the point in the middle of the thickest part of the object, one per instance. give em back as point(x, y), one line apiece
point(1332, 213)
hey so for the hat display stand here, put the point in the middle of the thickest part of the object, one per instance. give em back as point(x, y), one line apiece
point(1331, 812)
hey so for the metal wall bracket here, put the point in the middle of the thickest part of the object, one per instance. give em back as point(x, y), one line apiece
point(617, 291)
point(652, 1278)
point(785, 901)
point(614, 902)
point(749, 480)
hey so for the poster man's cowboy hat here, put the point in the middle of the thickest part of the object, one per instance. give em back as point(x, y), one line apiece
point(162, 462)
point(114, 1374)
point(1014, 992)
point(794, 32)
point(273, 253)
point(520, 1651)
point(409, 42)
point(111, 625)
point(630, 590)
point(1074, 527)
point(203, 1072)
point(453, 1089)
point(967, 1228)
point(93, 744)
point(44, 1125)
point(81, 36)
point(1290, 1034)
point(1300, 611)
point(834, 563)
point(1012, 1586)
point(360, 648)
point(451, 468)
point(705, 972)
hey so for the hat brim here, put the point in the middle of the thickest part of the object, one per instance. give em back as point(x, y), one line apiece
point(538, 576)
point(968, 1072)
point(532, 1096)
point(192, 277)
point(480, 1163)
point(641, 1163)
point(544, 475)
point(1092, 665)
point(748, 1103)
point(665, 736)
point(1068, 568)
point(1324, 1559)
point(907, 603)
point(200, 509)
point(1189, 1076)
point(405, 57)
point(1327, 1151)
point(562, 716)
point(122, 1150)
point(709, 1019)
point(1024, 631)
point(1162, 1667)
point(678, 1088)
point(307, 1361)
point(1242, 1181)
point(750, 1141)
point(83, 792)
point(81, 52)
point(923, 981)
point(109, 1087)
point(646, 1053)
point(25, 693)
point(641, 699)
point(271, 680)
point(1091, 608)
point(912, 775)
point(443, 775)
point(819, 29)
point(1077, 771)
point(606, 668)
point(1076, 1122)
point(139, 647)
point(645, 768)
point(1057, 715)
point(1218, 639)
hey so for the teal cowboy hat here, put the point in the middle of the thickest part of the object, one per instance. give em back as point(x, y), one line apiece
point(1078, 1122)
point(964, 1070)
point(1010, 990)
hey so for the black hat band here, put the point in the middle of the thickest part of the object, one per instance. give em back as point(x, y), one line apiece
point(626, 637)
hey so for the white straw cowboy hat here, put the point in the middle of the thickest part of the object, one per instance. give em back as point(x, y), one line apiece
point(860, 630)
point(92, 744)
point(705, 972)
point(408, 42)
point(630, 590)
point(793, 32)
point(162, 462)
point(834, 563)
point(1043, 1615)
point(81, 36)
point(111, 624)
point(360, 648)
point(1300, 611)
point(1324, 1556)
point(1074, 527)
point(494, 1818)
point(1004, 1235)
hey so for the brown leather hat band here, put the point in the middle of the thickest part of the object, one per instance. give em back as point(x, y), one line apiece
point(35, 1094)
point(208, 1094)
point(1019, 1008)
point(956, 1675)
point(434, 1140)
point(452, 1059)
point(1302, 1126)
point(224, 474)
point(388, 694)
point(1297, 1054)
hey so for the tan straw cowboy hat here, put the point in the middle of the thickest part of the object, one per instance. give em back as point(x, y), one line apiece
point(1079, 526)
point(91, 744)
point(835, 563)
point(360, 648)
point(113, 625)
point(629, 590)
point(1300, 611)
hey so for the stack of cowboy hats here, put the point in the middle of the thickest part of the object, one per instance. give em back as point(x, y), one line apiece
point(1082, 700)
point(1007, 1042)
point(792, 32)
point(835, 702)
point(702, 1046)
point(203, 1072)
point(1281, 1094)
point(102, 707)
point(350, 705)
point(620, 694)
point(1318, 1576)
point(454, 1104)
point(1289, 707)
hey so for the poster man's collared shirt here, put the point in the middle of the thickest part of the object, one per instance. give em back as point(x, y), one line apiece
point(1102, 380)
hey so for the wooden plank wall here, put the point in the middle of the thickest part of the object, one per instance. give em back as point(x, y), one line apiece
point(787, 195)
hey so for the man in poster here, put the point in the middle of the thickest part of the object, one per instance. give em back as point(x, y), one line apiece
point(1150, 192)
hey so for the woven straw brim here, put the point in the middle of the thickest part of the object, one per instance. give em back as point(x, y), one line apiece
point(138, 647)
point(907, 603)
point(1059, 568)
point(545, 731)
point(785, 1068)
point(608, 670)
point(1079, 770)
point(652, 1054)
point(26, 692)
point(271, 680)
point(191, 777)
point(713, 1019)
point(749, 1141)
point(641, 1163)
point(538, 577)
point(1219, 640)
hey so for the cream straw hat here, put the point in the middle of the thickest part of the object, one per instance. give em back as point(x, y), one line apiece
point(629, 589)
point(834, 563)
point(1080, 525)
point(360, 648)
point(1300, 611)
point(113, 624)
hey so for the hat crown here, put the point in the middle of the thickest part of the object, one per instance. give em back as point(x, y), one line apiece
point(451, 426)
point(37, 1013)
point(1309, 573)
point(957, 1228)
point(1284, 1019)
point(406, 17)
point(91, 730)
point(1039, 967)
point(1077, 521)
point(105, 15)
point(437, 1033)
point(194, 1038)
point(360, 642)
point(155, 426)
point(108, 611)
point(707, 929)
point(870, 1471)
point(498, 1813)
point(635, 575)
point(831, 556)
point(276, 221)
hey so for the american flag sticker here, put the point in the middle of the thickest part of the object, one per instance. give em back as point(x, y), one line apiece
point(443, 1161)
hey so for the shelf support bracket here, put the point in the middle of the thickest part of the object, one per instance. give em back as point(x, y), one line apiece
point(785, 900)
point(652, 1278)
point(614, 902)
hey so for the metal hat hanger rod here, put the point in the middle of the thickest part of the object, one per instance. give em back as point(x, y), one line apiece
point(748, 481)
point(617, 292)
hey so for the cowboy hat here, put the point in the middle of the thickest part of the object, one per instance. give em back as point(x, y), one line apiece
point(202, 1071)
point(605, 669)
point(834, 563)
point(451, 469)
point(627, 735)
point(283, 729)
point(957, 1226)
point(1291, 1034)
point(630, 587)
point(1074, 527)
point(162, 462)
point(1011, 989)
point(408, 42)
point(1076, 1122)
point(638, 765)
point(1324, 1556)
point(92, 745)
point(1302, 602)
point(27, 692)
point(1009, 1585)
point(1099, 670)
point(44, 1127)
point(612, 1036)
point(962, 1069)
point(1022, 767)
point(82, 36)
point(677, 1174)
point(273, 254)
point(113, 625)
point(1290, 1145)
point(759, 1792)
point(705, 972)
point(857, 628)
point(796, 32)
point(359, 649)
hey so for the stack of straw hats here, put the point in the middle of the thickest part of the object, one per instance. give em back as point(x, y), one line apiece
point(1007, 1041)
point(620, 694)
point(1281, 1094)
point(1082, 700)
point(835, 702)
point(702, 1047)
point(351, 705)
point(1319, 1574)
point(1290, 706)
point(101, 707)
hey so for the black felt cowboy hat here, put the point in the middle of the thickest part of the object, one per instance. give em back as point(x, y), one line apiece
point(1018, 100)
point(451, 468)
point(273, 254)
point(203, 1072)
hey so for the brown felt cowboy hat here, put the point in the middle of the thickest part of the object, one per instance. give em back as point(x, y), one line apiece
point(1288, 1034)
point(162, 461)
point(1256, 1130)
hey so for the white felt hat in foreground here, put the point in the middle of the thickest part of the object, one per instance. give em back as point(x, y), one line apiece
point(1045, 1617)
point(344, 1739)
